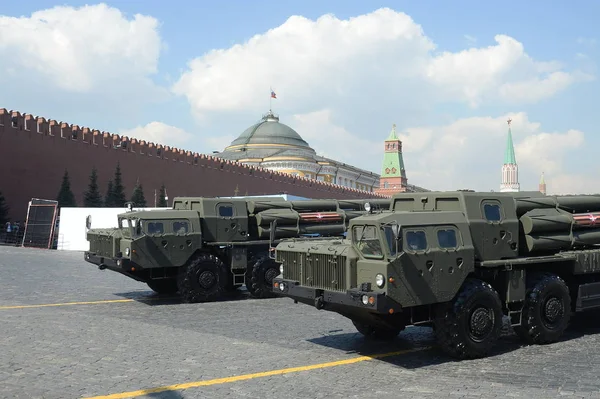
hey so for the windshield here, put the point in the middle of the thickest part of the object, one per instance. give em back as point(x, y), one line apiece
point(366, 240)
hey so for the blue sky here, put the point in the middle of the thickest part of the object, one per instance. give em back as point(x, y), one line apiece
point(564, 32)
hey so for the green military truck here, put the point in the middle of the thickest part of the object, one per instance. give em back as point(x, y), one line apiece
point(204, 247)
point(456, 261)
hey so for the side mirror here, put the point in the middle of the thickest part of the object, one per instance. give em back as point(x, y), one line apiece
point(396, 231)
point(88, 222)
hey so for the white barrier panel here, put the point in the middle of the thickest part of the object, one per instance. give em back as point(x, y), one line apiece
point(71, 227)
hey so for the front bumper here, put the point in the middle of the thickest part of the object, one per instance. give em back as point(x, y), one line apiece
point(334, 300)
point(119, 265)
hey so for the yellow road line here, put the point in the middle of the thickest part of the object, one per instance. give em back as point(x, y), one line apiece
point(226, 380)
point(64, 304)
point(79, 303)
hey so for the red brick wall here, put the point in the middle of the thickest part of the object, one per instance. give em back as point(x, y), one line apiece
point(35, 153)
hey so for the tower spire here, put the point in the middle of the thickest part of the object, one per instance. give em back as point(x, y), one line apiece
point(510, 169)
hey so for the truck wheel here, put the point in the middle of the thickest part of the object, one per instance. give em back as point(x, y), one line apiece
point(470, 325)
point(546, 310)
point(259, 279)
point(203, 280)
point(379, 333)
point(163, 286)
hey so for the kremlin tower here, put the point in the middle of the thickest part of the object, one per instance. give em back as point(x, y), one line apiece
point(510, 169)
point(393, 175)
point(542, 186)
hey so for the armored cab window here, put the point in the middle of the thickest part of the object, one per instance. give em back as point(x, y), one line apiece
point(225, 211)
point(367, 241)
point(181, 227)
point(155, 228)
point(416, 240)
point(447, 238)
point(492, 212)
point(390, 239)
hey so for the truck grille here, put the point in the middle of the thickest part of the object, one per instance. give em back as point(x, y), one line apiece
point(322, 271)
point(102, 245)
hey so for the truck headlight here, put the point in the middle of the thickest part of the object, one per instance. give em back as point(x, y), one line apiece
point(127, 251)
point(281, 269)
point(367, 207)
point(380, 280)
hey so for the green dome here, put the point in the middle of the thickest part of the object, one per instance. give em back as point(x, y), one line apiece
point(269, 131)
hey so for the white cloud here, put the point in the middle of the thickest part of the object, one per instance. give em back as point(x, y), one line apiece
point(332, 141)
point(80, 49)
point(588, 41)
point(159, 133)
point(546, 151)
point(383, 55)
point(470, 39)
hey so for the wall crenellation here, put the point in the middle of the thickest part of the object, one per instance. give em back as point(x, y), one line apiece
point(14, 120)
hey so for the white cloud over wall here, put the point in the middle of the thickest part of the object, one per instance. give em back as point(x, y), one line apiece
point(159, 133)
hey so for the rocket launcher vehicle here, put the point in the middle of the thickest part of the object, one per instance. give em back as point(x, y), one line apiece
point(551, 224)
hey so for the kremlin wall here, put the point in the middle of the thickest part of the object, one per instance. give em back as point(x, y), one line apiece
point(34, 153)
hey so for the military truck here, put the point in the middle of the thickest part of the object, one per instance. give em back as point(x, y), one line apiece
point(459, 262)
point(204, 247)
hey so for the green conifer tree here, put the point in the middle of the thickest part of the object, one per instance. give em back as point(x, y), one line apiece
point(92, 197)
point(65, 196)
point(162, 197)
point(137, 197)
point(3, 211)
point(109, 198)
point(119, 197)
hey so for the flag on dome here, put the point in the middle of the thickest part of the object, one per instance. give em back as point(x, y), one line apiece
point(273, 95)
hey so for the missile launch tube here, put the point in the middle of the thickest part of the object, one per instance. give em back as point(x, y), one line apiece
point(571, 203)
point(546, 223)
point(562, 241)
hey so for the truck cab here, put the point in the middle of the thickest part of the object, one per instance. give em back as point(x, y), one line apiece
point(147, 245)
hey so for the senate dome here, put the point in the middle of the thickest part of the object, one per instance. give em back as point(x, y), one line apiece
point(273, 145)
point(271, 132)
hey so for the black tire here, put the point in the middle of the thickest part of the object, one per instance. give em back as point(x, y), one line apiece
point(378, 333)
point(203, 280)
point(546, 310)
point(163, 286)
point(469, 326)
point(259, 279)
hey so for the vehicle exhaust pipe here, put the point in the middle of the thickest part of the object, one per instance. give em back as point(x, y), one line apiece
point(102, 266)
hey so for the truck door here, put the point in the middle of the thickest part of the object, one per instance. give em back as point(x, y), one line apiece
point(155, 244)
point(493, 215)
point(228, 222)
point(416, 266)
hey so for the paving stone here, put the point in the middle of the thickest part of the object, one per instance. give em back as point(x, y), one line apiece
point(100, 349)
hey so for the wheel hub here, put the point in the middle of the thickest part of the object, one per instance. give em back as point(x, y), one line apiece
point(553, 310)
point(207, 279)
point(270, 274)
point(482, 322)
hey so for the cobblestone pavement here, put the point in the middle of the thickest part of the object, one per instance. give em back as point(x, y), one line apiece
point(106, 348)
